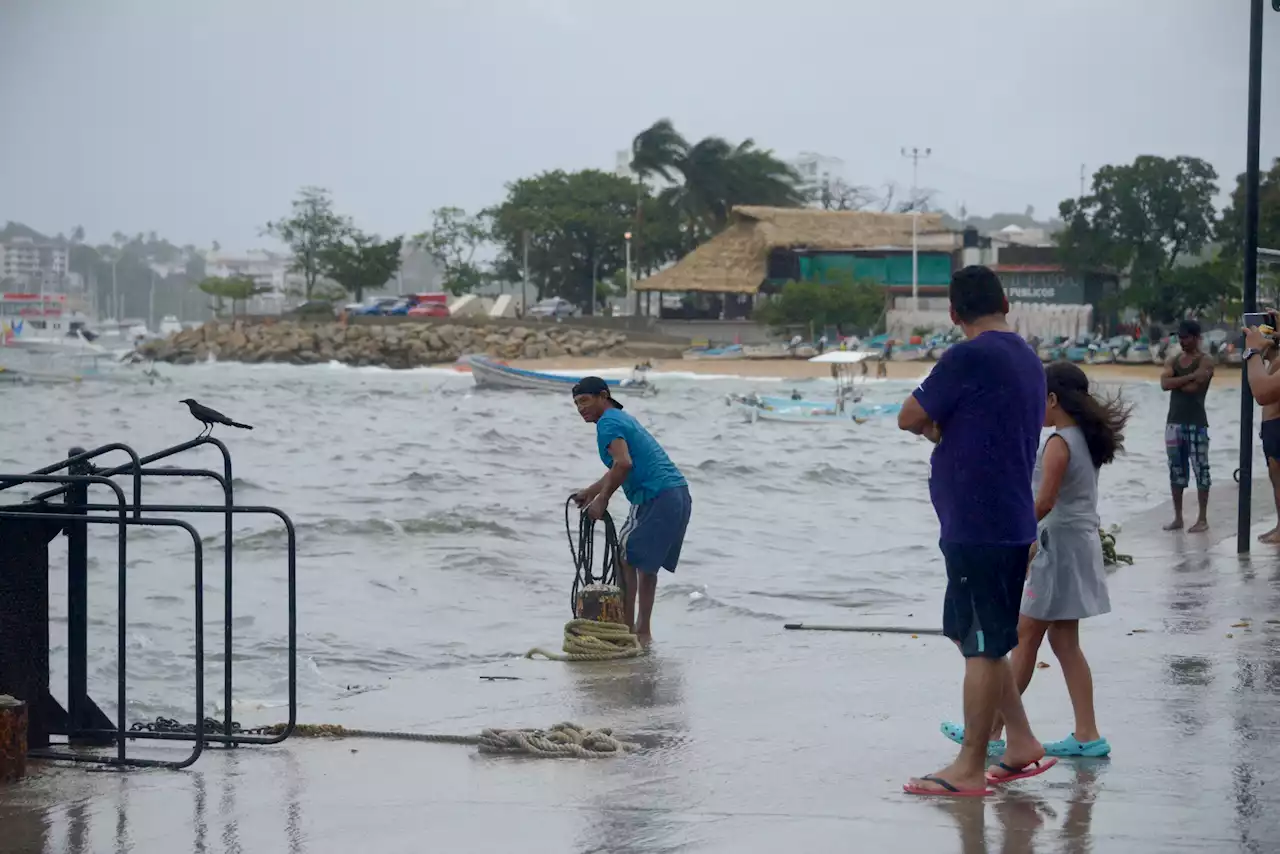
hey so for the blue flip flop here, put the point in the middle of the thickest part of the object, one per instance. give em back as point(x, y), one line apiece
point(1072, 746)
point(955, 732)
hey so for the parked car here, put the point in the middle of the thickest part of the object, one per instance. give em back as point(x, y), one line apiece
point(375, 305)
point(429, 309)
point(554, 307)
point(312, 308)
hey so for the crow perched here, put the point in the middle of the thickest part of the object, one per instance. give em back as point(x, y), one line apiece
point(208, 417)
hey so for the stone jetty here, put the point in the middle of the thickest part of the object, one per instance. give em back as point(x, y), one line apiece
point(398, 345)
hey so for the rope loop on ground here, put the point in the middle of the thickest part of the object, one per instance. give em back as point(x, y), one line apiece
point(562, 741)
point(592, 640)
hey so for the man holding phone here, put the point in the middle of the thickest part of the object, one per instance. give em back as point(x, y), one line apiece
point(1186, 434)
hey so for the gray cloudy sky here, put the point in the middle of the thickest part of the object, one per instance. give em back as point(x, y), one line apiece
point(201, 119)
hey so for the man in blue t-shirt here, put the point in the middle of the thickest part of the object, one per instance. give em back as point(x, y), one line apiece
point(983, 405)
point(660, 503)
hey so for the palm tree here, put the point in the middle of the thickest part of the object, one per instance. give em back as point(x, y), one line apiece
point(713, 176)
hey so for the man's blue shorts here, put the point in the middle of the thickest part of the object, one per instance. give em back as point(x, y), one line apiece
point(654, 531)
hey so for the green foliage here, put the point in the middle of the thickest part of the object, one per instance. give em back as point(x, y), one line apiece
point(235, 289)
point(360, 261)
point(711, 176)
point(1141, 219)
point(1202, 289)
point(453, 240)
point(852, 305)
point(1231, 226)
point(575, 222)
point(311, 228)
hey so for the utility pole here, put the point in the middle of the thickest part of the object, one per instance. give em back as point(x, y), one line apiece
point(1082, 171)
point(1251, 205)
point(524, 285)
point(627, 237)
point(151, 302)
point(115, 290)
point(915, 154)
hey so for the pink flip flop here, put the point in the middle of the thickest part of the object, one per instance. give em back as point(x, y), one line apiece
point(948, 790)
point(1031, 769)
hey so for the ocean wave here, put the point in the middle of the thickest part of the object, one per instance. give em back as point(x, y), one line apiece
point(444, 523)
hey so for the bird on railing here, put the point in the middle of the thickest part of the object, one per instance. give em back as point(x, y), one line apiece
point(209, 417)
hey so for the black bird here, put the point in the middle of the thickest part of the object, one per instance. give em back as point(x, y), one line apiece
point(208, 417)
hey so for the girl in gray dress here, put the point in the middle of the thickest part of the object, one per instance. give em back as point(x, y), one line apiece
point(1066, 581)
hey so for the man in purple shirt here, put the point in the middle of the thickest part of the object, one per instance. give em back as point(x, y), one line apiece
point(983, 405)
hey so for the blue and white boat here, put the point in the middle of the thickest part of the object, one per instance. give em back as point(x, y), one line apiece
point(491, 374)
point(847, 406)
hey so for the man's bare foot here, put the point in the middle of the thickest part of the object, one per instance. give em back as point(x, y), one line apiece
point(645, 638)
point(960, 782)
point(1269, 536)
point(1175, 525)
point(1017, 758)
point(1199, 527)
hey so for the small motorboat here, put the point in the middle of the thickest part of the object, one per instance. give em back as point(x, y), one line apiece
point(492, 374)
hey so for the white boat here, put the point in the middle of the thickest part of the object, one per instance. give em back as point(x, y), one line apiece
point(170, 325)
point(908, 353)
point(847, 406)
point(490, 374)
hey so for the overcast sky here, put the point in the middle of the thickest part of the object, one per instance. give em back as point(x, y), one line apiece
point(201, 118)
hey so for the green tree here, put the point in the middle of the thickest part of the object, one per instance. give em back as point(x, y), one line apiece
point(575, 223)
point(361, 262)
point(1199, 289)
point(847, 303)
point(310, 229)
point(1142, 218)
point(711, 177)
point(236, 289)
point(1231, 228)
point(453, 239)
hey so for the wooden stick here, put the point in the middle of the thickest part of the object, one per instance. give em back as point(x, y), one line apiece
point(873, 630)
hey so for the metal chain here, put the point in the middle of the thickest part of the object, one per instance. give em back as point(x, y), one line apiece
point(211, 726)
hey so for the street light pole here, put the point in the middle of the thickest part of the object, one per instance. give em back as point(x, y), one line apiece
point(524, 282)
point(630, 308)
point(915, 154)
point(1251, 184)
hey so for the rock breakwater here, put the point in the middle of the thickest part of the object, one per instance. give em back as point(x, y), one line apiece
point(405, 345)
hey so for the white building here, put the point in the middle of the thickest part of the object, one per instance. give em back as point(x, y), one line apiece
point(32, 263)
point(817, 170)
point(1013, 235)
point(268, 270)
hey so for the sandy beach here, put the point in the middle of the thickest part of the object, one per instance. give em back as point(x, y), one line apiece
point(1226, 375)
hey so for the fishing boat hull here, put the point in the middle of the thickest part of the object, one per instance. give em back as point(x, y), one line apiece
point(489, 374)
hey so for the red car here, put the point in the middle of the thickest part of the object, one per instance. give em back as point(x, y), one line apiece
point(429, 305)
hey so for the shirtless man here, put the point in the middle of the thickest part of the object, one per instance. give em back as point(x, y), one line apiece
point(1270, 434)
point(1186, 433)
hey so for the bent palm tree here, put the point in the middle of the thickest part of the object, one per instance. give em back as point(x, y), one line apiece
point(714, 176)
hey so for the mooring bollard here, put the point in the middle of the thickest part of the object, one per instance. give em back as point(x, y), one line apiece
point(600, 602)
point(13, 738)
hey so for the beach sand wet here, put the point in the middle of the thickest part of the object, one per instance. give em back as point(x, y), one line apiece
point(760, 740)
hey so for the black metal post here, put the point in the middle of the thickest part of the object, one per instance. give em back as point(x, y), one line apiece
point(82, 713)
point(1251, 177)
point(77, 497)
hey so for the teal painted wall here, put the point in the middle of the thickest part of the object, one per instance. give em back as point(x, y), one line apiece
point(935, 268)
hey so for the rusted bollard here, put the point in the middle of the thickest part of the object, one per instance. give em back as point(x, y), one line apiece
point(13, 738)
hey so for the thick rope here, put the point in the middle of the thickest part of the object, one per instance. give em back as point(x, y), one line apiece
point(591, 640)
point(1109, 555)
point(562, 741)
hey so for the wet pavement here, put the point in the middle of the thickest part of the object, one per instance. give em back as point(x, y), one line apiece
point(758, 739)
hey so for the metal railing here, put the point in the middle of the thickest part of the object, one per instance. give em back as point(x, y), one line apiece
point(83, 720)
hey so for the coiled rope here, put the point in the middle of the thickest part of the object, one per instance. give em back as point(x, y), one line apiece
point(592, 640)
point(562, 741)
point(1109, 555)
point(582, 553)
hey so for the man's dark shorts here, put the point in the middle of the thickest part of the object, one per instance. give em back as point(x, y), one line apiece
point(653, 534)
point(1271, 438)
point(984, 595)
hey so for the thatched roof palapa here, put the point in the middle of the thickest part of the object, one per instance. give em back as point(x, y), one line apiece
point(736, 260)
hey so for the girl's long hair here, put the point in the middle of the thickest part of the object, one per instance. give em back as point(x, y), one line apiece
point(1101, 419)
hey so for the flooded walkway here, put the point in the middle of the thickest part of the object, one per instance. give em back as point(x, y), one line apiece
point(762, 740)
point(759, 741)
